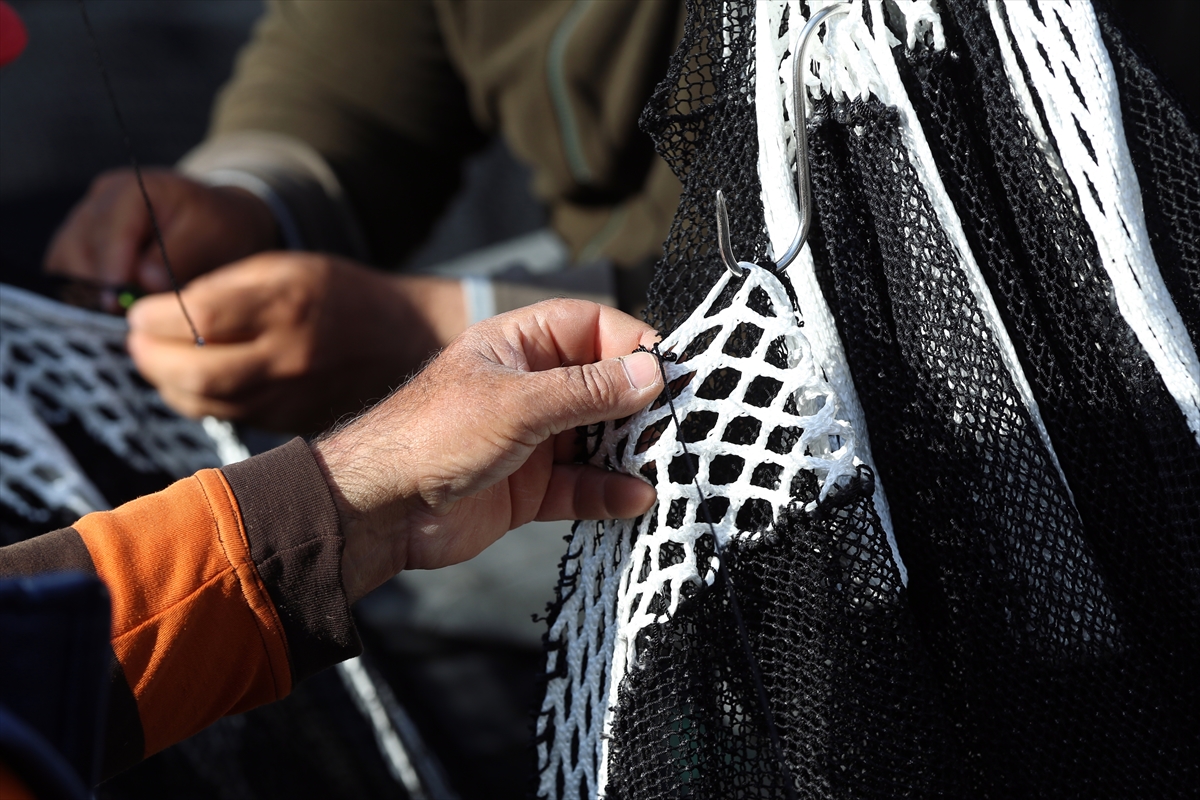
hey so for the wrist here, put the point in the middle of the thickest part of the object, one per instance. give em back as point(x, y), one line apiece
point(371, 519)
point(439, 301)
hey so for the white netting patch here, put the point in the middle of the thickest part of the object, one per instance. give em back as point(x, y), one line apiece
point(761, 428)
point(59, 363)
point(570, 743)
point(754, 411)
point(38, 476)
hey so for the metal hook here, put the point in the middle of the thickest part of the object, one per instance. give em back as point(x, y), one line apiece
point(731, 263)
point(803, 186)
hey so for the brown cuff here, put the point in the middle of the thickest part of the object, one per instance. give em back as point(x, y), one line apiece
point(292, 526)
point(57, 551)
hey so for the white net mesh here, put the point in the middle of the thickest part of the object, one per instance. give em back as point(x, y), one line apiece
point(758, 427)
point(60, 364)
point(39, 476)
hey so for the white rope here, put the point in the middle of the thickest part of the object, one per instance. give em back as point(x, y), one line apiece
point(366, 698)
point(1020, 90)
point(850, 74)
point(1078, 88)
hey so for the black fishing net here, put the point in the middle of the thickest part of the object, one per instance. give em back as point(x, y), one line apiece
point(1040, 634)
point(701, 118)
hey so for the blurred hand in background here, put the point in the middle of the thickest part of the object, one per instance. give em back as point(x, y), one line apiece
point(293, 341)
point(108, 239)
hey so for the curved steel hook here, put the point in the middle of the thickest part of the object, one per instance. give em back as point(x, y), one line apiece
point(731, 263)
point(803, 185)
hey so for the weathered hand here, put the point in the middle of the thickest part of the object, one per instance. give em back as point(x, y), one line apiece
point(293, 341)
point(471, 449)
point(107, 238)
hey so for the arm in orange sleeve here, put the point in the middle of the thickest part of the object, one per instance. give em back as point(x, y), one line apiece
point(226, 590)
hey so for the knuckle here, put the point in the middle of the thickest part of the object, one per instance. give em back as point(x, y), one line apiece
point(212, 386)
point(71, 233)
point(58, 256)
point(203, 316)
point(197, 383)
point(294, 362)
point(596, 384)
point(182, 403)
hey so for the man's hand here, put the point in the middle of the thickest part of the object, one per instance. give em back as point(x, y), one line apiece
point(292, 341)
point(471, 449)
point(107, 239)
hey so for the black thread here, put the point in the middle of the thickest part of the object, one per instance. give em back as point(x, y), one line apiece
point(137, 170)
point(724, 576)
point(588, 439)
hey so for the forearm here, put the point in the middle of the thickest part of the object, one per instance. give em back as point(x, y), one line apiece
point(226, 590)
point(229, 586)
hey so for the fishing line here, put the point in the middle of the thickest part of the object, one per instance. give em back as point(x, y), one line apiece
point(723, 574)
point(137, 170)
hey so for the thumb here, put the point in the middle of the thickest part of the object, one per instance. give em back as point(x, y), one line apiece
point(568, 397)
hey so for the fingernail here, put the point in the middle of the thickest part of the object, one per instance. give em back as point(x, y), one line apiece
point(640, 368)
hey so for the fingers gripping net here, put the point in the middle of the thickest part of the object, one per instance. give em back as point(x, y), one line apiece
point(759, 432)
point(743, 378)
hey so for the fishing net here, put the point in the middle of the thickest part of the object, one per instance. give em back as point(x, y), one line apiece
point(80, 430)
point(929, 502)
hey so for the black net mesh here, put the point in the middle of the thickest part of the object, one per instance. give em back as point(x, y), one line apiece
point(1047, 641)
point(694, 706)
point(701, 118)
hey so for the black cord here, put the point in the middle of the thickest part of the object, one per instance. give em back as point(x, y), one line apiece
point(724, 575)
point(137, 170)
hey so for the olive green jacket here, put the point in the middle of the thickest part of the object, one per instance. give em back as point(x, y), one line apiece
point(357, 117)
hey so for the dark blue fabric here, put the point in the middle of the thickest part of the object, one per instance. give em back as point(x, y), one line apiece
point(40, 767)
point(54, 673)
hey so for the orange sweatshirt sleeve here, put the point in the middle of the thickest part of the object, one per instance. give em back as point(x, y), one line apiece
point(226, 590)
point(193, 627)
